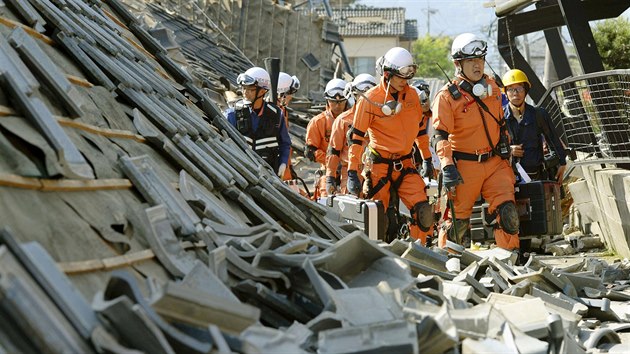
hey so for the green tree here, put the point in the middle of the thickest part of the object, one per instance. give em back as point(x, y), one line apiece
point(429, 50)
point(613, 42)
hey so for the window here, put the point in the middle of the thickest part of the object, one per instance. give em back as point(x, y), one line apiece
point(362, 65)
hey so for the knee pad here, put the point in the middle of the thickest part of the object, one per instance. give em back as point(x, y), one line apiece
point(423, 215)
point(508, 217)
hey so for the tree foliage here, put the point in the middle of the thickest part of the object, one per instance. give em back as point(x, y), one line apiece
point(613, 42)
point(429, 50)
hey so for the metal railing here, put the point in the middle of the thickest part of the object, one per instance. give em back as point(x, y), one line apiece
point(592, 115)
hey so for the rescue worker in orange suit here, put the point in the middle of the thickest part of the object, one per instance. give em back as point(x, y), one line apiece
point(528, 126)
point(261, 122)
point(390, 115)
point(319, 128)
point(423, 158)
point(338, 146)
point(287, 87)
point(472, 143)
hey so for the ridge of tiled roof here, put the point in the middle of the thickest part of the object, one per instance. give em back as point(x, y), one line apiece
point(360, 22)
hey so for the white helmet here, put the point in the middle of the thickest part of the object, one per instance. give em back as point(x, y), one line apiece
point(287, 84)
point(334, 90)
point(255, 76)
point(468, 46)
point(397, 61)
point(361, 83)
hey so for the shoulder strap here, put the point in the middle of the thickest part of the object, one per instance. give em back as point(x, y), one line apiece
point(480, 103)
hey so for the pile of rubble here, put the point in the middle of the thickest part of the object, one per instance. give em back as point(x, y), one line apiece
point(263, 290)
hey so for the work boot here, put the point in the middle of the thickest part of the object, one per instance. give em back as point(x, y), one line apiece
point(521, 257)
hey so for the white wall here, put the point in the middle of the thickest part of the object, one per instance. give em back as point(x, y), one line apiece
point(368, 47)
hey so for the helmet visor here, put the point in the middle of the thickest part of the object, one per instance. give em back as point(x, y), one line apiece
point(406, 72)
point(363, 86)
point(245, 80)
point(337, 98)
point(335, 93)
point(476, 48)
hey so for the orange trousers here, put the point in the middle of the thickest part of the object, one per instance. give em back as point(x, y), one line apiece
point(494, 179)
point(411, 191)
point(287, 172)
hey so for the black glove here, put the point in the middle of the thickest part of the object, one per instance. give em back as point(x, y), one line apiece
point(331, 185)
point(309, 152)
point(427, 168)
point(354, 185)
point(451, 176)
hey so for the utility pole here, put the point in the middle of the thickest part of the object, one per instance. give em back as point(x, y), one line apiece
point(430, 11)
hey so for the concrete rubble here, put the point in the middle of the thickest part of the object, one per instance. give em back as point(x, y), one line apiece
point(143, 223)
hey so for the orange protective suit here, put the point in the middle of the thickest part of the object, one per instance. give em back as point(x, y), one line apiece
point(422, 140)
point(318, 134)
point(493, 178)
point(287, 172)
point(391, 137)
point(338, 148)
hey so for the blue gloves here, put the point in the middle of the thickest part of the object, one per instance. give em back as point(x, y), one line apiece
point(451, 176)
point(427, 168)
point(354, 185)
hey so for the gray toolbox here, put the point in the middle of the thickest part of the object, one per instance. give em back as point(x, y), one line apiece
point(368, 215)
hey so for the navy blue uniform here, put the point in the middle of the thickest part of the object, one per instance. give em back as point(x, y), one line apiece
point(266, 133)
point(530, 135)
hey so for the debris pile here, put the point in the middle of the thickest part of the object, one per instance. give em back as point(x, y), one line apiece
point(266, 291)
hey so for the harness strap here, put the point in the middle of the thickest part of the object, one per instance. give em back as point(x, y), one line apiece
point(391, 166)
point(388, 178)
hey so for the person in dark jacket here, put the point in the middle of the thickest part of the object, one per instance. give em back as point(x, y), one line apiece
point(530, 131)
point(261, 123)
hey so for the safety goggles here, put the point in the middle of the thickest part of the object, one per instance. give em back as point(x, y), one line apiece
point(335, 94)
point(406, 72)
point(245, 80)
point(364, 86)
point(337, 98)
point(475, 48)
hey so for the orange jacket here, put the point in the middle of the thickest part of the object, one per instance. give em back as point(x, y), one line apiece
point(318, 134)
point(423, 137)
point(338, 142)
point(462, 120)
point(287, 172)
point(389, 135)
point(286, 115)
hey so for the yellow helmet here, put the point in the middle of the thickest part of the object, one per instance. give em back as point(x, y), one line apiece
point(515, 76)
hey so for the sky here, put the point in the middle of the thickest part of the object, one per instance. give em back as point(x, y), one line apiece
point(447, 17)
point(451, 17)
